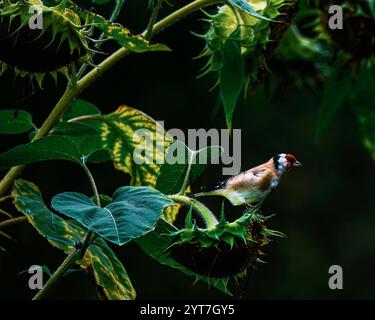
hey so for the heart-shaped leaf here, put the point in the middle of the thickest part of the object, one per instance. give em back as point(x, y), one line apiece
point(108, 272)
point(55, 148)
point(48, 148)
point(133, 212)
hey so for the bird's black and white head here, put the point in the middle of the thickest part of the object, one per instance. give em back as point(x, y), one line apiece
point(285, 161)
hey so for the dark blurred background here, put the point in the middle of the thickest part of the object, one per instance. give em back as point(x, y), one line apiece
point(326, 208)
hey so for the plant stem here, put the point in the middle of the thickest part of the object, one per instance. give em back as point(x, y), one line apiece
point(5, 198)
point(90, 235)
point(115, 13)
point(208, 217)
point(92, 183)
point(76, 254)
point(5, 213)
point(12, 221)
point(69, 260)
point(153, 18)
point(186, 179)
point(73, 91)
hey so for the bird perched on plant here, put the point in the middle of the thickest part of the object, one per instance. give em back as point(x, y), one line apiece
point(254, 185)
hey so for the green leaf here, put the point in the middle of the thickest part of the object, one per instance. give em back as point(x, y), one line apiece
point(74, 129)
point(156, 243)
point(59, 232)
point(132, 212)
point(232, 75)
point(109, 274)
point(120, 34)
point(336, 92)
point(172, 176)
point(80, 108)
point(127, 130)
point(80, 149)
point(104, 199)
point(48, 148)
point(246, 7)
point(113, 282)
point(15, 121)
point(86, 138)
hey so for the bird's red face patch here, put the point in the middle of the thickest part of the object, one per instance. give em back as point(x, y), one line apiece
point(292, 161)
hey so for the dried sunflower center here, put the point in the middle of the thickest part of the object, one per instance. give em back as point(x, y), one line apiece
point(57, 45)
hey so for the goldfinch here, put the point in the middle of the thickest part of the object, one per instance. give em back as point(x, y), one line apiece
point(254, 185)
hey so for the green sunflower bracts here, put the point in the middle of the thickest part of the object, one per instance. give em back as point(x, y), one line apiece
point(226, 250)
point(239, 44)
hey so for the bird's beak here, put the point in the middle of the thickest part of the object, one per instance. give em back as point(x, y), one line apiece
point(297, 164)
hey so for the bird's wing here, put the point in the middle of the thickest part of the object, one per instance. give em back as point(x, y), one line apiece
point(216, 186)
point(256, 178)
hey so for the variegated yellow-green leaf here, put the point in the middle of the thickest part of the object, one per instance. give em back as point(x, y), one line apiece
point(120, 34)
point(59, 232)
point(137, 142)
point(110, 275)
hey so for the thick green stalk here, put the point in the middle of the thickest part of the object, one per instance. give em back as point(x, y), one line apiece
point(206, 214)
point(72, 92)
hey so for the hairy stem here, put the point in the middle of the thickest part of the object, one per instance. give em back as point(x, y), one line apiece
point(206, 214)
point(73, 91)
